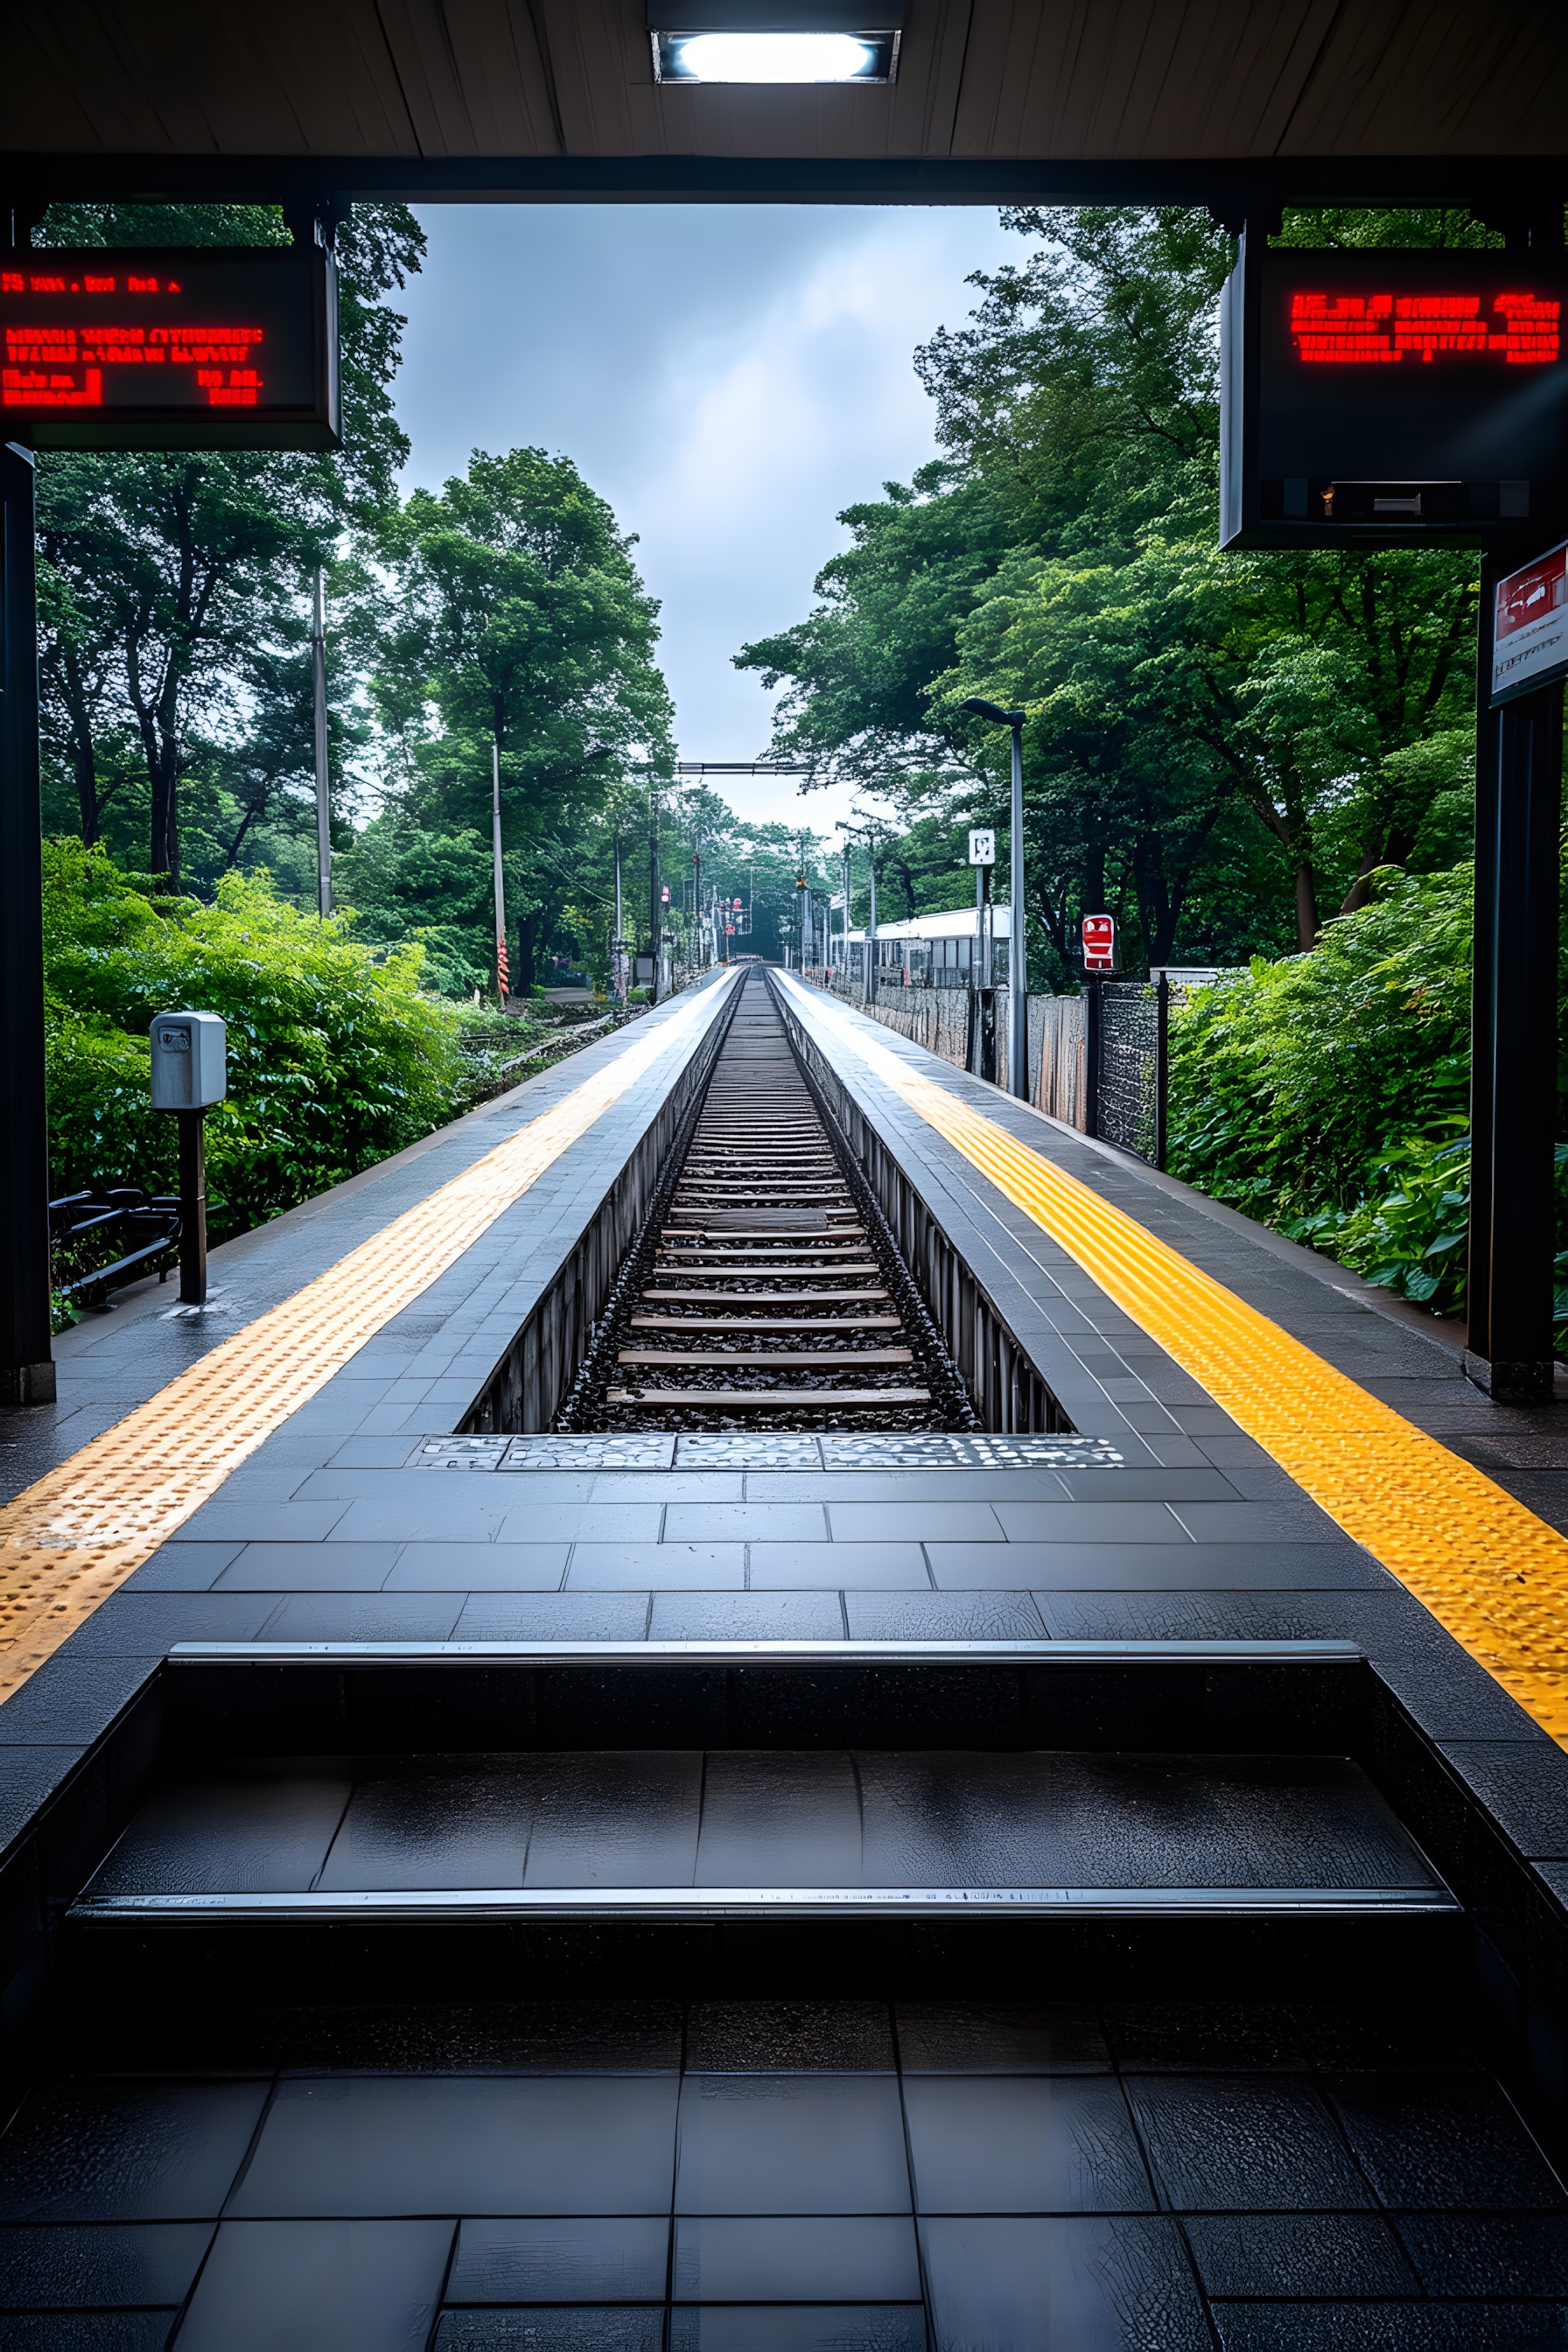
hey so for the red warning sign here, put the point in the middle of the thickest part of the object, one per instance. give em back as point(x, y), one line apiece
point(1100, 943)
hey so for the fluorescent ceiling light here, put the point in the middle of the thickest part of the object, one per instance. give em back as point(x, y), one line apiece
point(804, 57)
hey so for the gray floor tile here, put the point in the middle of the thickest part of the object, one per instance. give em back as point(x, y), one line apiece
point(608, 1567)
point(318, 2286)
point(527, 1617)
point(926, 1522)
point(743, 1617)
point(477, 1567)
point(371, 2145)
point(1112, 1522)
point(1110, 2283)
point(1038, 2144)
point(853, 1566)
point(735, 1522)
point(126, 2151)
point(109, 2266)
point(560, 2262)
point(784, 2144)
point(861, 2259)
point(254, 1832)
point(365, 1617)
point(309, 1568)
point(943, 1617)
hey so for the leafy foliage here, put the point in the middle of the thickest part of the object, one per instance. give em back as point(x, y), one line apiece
point(174, 586)
point(1288, 1079)
point(517, 629)
point(1193, 718)
point(336, 1054)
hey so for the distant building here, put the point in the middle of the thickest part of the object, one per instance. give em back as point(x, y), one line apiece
point(927, 951)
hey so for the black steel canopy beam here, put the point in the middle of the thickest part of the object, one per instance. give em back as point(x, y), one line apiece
point(1232, 188)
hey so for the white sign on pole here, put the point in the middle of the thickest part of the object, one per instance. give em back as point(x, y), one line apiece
point(982, 845)
point(1529, 639)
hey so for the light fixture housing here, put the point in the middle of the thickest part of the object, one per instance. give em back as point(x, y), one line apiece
point(752, 42)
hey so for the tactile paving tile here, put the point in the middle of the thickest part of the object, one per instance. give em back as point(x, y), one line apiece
point(746, 1451)
point(463, 1452)
point(70, 1539)
point(654, 1452)
point(1488, 1568)
point(968, 1451)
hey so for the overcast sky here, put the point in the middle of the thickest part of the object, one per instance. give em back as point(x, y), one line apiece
point(728, 376)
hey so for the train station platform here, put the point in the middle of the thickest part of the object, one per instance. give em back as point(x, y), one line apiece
point(1092, 1879)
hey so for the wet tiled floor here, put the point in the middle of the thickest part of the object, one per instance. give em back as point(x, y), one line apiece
point(772, 1818)
point(758, 2177)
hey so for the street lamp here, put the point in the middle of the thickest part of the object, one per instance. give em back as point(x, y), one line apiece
point(1017, 959)
point(866, 833)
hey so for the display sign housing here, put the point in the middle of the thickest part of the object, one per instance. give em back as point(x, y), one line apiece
point(210, 348)
point(1381, 399)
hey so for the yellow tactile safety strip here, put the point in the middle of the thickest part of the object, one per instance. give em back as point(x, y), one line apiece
point(69, 1540)
point(1488, 1570)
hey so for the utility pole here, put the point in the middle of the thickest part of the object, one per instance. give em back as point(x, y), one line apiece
point(871, 923)
point(866, 832)
point(617, 957)
point(502, 975)
point(656, 906)
point(26, 1361)
point(323, 769)
point(1017, 947)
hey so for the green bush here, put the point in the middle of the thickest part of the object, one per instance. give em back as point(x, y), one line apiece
point(1408, 1234)
point(337, 1056)
point(1288, 1081)
point(1328, 1094)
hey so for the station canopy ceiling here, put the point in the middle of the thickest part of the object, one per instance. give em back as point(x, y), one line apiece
point(1071, 99)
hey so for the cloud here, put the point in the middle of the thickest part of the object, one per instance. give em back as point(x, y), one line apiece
point(728, 376)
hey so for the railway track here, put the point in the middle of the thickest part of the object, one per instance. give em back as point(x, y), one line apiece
point(768, 1293)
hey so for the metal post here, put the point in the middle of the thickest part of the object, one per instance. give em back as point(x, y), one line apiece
point(977, 977)
point(323, 768)
point(616, 951)
point(501, 973)
point(871, 925)
point(193, 1207)
point(27, 1365)
point(1162, 1064)
point(1511, 1236)
point(1090, 1053)
point(656, 905)
point(1018, 953)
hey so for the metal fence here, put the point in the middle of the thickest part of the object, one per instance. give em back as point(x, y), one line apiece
point(1097, 1062)
point(1130, 1020)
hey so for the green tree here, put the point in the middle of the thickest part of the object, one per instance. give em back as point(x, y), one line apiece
point(174, 586)
point(517, 622)
point(1060, 559)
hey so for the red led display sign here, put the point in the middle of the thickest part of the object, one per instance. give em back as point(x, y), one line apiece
point(1388, 329)
point(212, 349)
point(1382, 397)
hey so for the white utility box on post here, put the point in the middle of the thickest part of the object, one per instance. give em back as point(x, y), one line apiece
point(190, 1074)
point(190, 1061)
